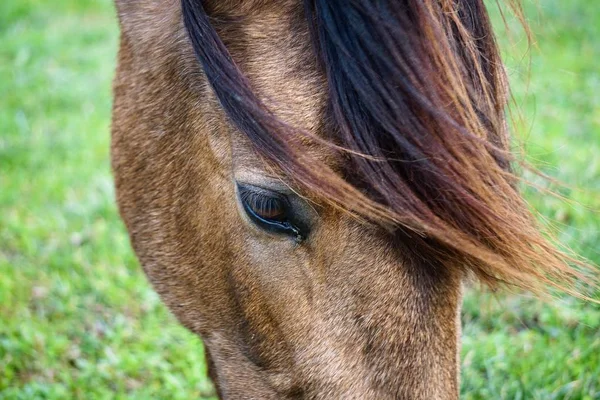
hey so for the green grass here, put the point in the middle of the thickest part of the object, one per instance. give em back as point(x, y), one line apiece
point(79, 320)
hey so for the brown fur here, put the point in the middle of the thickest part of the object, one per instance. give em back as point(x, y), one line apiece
point(351, 313)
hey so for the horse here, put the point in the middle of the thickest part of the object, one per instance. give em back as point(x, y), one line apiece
point(308, 184)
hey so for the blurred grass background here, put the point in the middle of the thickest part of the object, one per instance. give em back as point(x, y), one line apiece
point(79, 320)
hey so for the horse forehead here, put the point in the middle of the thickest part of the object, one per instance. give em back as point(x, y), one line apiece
point(279, 62)
point(269, 41)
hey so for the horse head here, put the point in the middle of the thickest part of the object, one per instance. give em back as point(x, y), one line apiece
point(308, 184)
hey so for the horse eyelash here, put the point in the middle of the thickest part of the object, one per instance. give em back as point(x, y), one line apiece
point(260, 201)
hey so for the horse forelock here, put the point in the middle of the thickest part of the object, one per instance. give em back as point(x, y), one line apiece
point(416, 106)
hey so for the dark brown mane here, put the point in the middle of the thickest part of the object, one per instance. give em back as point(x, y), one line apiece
point(417, 97)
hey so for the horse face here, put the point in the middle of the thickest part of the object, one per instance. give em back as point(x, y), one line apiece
point(292, 297)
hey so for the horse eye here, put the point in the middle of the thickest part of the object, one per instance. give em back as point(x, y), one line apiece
point(268, 210)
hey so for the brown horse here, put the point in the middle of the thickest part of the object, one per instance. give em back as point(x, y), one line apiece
point(308, 183)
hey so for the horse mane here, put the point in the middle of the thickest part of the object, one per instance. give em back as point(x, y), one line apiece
point(417, 97)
